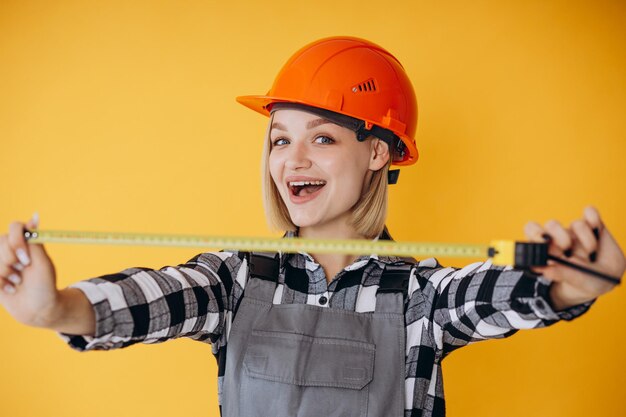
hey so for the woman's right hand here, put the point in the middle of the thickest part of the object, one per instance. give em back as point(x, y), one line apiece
point(27, 278)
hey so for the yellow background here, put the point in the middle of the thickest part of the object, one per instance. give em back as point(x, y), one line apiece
point(120, 116)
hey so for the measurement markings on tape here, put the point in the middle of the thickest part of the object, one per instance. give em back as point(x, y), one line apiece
point(339, 246)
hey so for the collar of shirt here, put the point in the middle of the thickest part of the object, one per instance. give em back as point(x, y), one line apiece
point(358, 263)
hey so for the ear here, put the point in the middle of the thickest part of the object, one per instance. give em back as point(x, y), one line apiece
point(379, 155)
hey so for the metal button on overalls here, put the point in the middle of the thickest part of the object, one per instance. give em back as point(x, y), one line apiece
point(302, 360)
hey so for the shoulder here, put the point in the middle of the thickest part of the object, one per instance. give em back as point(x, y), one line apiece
point(422, 271)
point(217, 259)
point(429, 275)
point(229, 266)
point(409, 273)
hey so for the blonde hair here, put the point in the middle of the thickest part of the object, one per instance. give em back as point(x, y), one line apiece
point(368, 214)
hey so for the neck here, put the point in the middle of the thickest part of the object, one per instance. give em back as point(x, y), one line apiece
point(331, 263)
point(330, 231)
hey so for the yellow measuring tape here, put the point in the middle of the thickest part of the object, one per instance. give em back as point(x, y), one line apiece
point(501, 251)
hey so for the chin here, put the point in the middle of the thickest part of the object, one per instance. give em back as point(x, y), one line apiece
point(303, 221)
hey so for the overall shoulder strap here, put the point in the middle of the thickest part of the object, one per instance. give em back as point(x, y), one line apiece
point(395, 278)
point(264, 265)
point(393, 288)
point(263, 269)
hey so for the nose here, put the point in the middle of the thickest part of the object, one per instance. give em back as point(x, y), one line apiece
point(297, 156)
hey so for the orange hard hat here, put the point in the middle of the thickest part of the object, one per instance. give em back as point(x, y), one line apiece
point(351, 77)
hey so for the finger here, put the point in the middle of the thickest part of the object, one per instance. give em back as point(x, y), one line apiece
point(10, 273)
point(17, 242)
point(38, 253)
point(549, 272)
point(535, 233)
point(585, 238)
point(539, 270)
point(592, 217)
point(33, 223)
point(561, 237)
point(7, 287)
point(7, 255)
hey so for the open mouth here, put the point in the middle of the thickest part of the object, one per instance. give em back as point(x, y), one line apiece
point(302, 188)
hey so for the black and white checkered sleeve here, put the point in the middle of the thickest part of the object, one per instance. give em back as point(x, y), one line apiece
point(482, 301)
point(143, 305)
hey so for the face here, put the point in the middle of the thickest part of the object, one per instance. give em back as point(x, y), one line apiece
point(318, 167)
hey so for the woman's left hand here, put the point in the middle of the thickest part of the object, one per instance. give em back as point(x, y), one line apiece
point(587, 243)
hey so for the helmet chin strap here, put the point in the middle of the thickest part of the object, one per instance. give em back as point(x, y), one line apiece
point(392, 176)
point(360, 127)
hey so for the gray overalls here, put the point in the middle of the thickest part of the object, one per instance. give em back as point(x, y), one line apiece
point(301, 360)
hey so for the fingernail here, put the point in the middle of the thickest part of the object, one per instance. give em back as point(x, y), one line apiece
point(546, 237)
point(592, 256)
point(18, 267)
point(22, 256)
point(15, 279)
point(567, 253)
point(35, 219)
point(596, 232)
point(9, 289)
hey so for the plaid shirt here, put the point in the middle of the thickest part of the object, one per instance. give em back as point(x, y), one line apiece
point(446, 308)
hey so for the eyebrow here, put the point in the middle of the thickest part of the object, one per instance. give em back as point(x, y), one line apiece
point(309, 125)
point(316, 123)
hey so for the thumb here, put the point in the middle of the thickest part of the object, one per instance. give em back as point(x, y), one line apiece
point(37, 250)
point(33, 223)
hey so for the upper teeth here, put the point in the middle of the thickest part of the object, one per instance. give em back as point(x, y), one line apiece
point(301, 183)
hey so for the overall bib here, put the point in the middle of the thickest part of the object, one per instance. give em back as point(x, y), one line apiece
point(289, 360)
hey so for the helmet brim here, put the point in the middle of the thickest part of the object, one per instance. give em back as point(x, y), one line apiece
point(261, 104)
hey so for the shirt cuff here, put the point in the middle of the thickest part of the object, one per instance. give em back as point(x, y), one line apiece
point(543, 304)
point(101, 299)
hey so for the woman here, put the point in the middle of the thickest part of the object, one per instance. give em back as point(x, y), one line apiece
point(313, 334)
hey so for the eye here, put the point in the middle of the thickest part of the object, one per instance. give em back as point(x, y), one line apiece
point(280, 141)
point(324, 140)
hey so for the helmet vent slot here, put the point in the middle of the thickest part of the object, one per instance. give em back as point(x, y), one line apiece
point(367, 86)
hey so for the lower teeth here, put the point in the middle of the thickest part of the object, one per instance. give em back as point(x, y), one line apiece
point(307, 189)
point(310, 189)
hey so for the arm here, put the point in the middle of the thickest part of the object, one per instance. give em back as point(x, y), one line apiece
point(150, 306)
point(136, 305)
point(482, 301)
point(74, 314)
